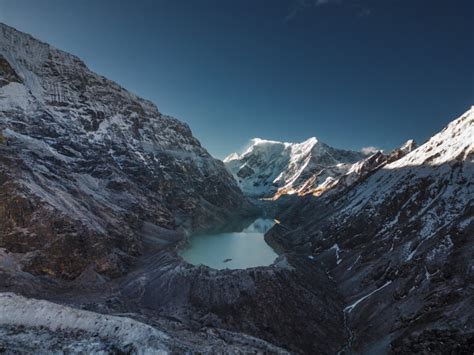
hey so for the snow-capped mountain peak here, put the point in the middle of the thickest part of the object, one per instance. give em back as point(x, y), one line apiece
point(266, 146)
point(268, 167)
point(408, 146)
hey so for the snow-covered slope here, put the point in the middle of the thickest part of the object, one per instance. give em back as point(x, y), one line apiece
point(88, 169)
point(445, 163)
point(404, 248)
point(269, 168)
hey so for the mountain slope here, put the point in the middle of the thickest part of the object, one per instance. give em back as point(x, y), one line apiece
point(88, 169)
point(267, 167)
point(398, 242)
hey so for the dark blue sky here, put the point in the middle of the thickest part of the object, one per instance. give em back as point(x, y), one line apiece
point(353, 73)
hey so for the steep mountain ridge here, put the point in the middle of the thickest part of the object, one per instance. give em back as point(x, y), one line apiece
point(89, 169)
point(271, 168)
point(359, 171)
point(397, 241)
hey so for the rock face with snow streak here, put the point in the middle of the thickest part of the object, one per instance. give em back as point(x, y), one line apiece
point(398, 242)
point(269, 168)
point(88, 169)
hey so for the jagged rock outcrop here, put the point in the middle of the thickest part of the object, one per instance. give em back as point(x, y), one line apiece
point(400, 152)
point(88, 169)
point(271, 169)
point(398, 242)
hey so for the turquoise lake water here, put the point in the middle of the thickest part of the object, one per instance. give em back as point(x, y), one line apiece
point(237, 250)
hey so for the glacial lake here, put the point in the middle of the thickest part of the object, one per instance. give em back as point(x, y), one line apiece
point(235, 250)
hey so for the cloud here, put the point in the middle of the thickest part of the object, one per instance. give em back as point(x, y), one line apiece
point(369, 150)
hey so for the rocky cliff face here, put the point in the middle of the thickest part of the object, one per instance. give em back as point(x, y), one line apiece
point(397, 239)
point(88, 170)
point(271, 169)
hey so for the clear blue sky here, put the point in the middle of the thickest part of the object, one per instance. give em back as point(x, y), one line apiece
point(353, 73)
